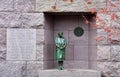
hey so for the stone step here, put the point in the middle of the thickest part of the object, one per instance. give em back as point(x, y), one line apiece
point(69, 73)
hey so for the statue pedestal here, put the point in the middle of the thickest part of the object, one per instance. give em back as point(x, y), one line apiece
point(69, 73)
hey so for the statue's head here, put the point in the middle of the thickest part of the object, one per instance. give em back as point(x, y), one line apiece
point(60, 34)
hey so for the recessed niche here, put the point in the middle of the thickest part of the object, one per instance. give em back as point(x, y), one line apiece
point(80, 51)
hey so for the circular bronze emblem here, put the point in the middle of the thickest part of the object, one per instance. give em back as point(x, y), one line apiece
point(78, 31)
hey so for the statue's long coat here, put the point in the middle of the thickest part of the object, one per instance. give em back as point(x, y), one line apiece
point(60, 48)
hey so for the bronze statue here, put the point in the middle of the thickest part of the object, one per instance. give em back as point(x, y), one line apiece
point(60, 43)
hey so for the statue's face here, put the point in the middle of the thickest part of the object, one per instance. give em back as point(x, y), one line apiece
point(60, 34)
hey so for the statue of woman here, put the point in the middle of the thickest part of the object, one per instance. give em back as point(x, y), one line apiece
point(60, 43)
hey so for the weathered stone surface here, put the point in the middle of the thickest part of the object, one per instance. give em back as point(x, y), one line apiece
point(12, 69)
point(44, 5)
point(103, 53)
point(21, 44)
point(9, 19)
point(84, 5)
point(33, 20)
point(39, 54)
point(6, 5)
point(60, 5)
point(109, 69)
point(24, 5)
point(116, 26)
point(40, 36)
point(115, 53)
point(2, 51)
point(103, 17)
point(3, 35)
point(101, 34)
point(113, 5)
point(107, 18)
point(18, 20)
point(107, 21)
point(33, 68)
point(69, 73)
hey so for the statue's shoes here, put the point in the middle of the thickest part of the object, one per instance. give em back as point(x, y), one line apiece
point(60, 68)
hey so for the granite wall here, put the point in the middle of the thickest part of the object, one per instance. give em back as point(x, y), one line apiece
point(26, 18)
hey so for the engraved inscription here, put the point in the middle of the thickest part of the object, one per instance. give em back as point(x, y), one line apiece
point(21, 44)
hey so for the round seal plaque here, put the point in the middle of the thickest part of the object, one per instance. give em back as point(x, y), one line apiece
point(78, 31)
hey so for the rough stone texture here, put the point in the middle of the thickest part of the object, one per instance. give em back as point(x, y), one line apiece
point(44, 5)
point(12, 69)
point(40, 36)
point(116, 20)
point(116, 25)
point(24, 5)
point(2, 52)
point(22, 14)
point(68, 6)
point(3, 35)
point(39, 54)
point(21, 44)
point(108, 21)
point(109, 54)
point(115, 53)
point(33, 20)
point(103, 53)
point(19, 20)
point(69, 73)
point(60, 5)
point(6, 5)
point(102, 33)
point(113, 5)
point(109, 69)
point(33, 68)
point(10, 19)
point(103, 16)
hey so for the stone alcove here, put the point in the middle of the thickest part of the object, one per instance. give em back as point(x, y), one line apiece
point(80, 51)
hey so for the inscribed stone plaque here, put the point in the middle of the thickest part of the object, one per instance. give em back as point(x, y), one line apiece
point(21, 44)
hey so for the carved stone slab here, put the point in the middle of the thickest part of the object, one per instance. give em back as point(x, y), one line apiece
point(21, 44)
